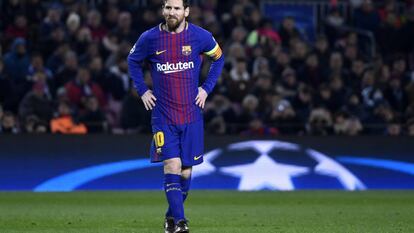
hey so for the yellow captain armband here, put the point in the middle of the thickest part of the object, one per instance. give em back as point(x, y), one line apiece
point(215, 53)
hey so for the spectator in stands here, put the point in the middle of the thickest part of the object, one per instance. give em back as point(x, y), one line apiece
point(93, 117)
point(396, 95)
point(350, 54)
point(72, 26)
point(339, 91)
point(320, 122)
point(264, 35)
point(240, 81)
point(110, 11)
point(322, 50)
point(236, 19)
point(389, 35)
point(370, 93)
point(288, 31)
point(323, 98)
point(260, 66)
point(220, 116)
point(378, 120)
point(344, 124)
point(9, 124)
point(94, 23)
point(281, 63)
point(383, 76)
point(399, 70)
point(124, 30)
point(65, 122)
point(264, 91)
point(258, 128)
point(388, 7)
point(302, 102)
point(311, 72)
point(98, 72)
point(289, 84)
point(37, 65)
point(284, 118)
point(255, 20)
point(356, 73)
point(49, 44)
point(83, 40)
point(57, 59)
point(336, 66)
point(393, 129)
point(18, 29)
point(299, 50)
point(149, 18)
point(31, 124)
point(333, 23)
point(366, 16)
point(79, 89)
point(17, 60)
point(248, 112)
point(51, 21)
point(36, 103)
point(16, 64)
point(134, 117)
point(68, 71)
point(116, 85)
point(34, 12)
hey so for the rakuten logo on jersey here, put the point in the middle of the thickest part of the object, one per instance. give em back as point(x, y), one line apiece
point(168, 68)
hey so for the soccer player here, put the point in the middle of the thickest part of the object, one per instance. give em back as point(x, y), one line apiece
point(174, 51)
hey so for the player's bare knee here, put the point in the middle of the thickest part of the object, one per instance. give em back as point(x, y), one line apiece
point(172, 166)
point(186, 172)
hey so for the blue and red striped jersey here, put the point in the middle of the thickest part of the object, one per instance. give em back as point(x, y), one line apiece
point(175, 61)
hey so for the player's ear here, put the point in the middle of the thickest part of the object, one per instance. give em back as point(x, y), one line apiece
point(187, 11)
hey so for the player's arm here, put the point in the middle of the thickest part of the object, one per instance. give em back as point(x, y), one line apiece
point(212, 50)
point(136, 57)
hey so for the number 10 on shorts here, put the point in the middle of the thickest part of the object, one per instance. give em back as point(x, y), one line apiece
point(159, 139)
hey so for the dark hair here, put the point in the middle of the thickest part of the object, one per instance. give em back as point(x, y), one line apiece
point(186, 3)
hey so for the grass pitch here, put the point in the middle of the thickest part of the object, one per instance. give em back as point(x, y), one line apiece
point(209, 212)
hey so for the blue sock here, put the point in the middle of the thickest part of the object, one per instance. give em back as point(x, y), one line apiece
point(173, 192)
point(185, 187)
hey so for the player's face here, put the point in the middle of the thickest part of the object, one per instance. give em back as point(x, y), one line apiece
point(174, 13)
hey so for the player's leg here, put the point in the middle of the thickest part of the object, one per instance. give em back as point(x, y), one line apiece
point(172, 187)
point(165, 147)
point(185, 181)
point(192, 146)
point(185, 185)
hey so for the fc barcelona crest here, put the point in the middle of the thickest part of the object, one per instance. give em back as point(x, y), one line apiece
point(186, 50)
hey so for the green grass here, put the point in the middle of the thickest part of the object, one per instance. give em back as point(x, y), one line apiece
point(209, 212)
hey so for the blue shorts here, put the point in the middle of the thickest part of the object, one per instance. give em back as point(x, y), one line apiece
point(178, 141)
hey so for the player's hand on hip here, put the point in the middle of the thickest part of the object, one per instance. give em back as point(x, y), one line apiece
point(201, 97)
point(149, 100)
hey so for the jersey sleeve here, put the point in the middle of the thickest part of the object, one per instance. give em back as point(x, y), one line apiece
point(212, 49)
point(136, 57)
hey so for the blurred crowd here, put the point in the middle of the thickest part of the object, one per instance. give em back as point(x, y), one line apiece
point(63, 68)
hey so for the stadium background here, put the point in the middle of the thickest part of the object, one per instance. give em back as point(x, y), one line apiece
point(292, 67)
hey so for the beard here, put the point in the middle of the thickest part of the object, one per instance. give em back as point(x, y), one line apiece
point(173, 23)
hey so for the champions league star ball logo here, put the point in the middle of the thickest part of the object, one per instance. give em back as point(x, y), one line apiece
point(277, 165)
point(249, 165)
